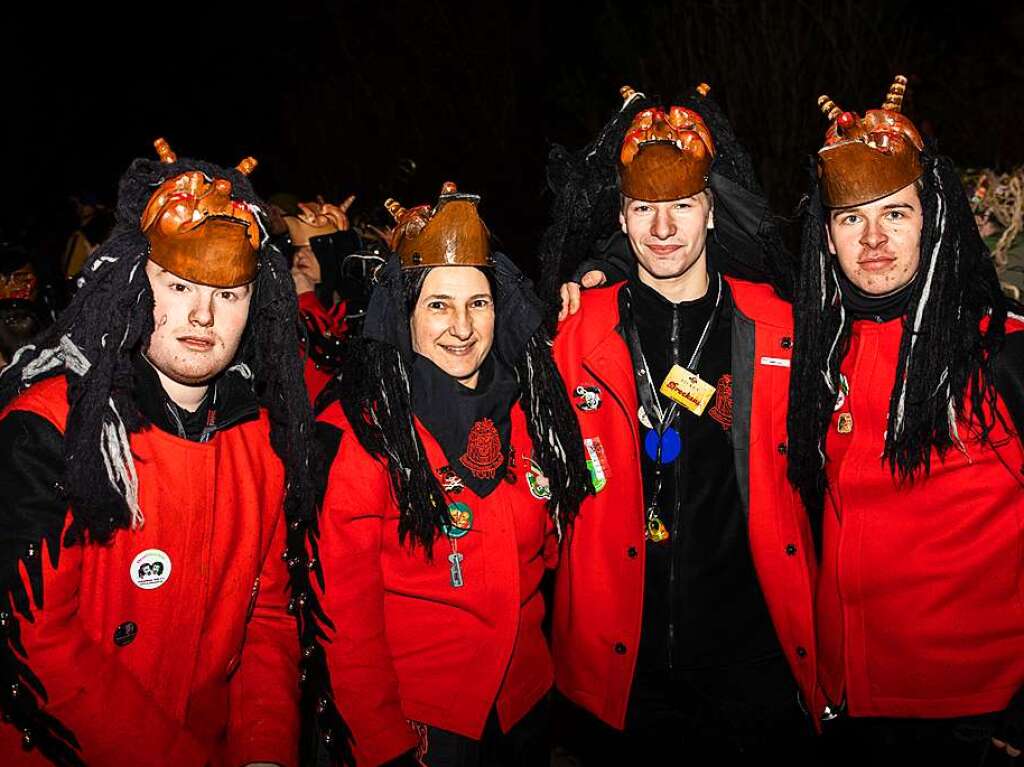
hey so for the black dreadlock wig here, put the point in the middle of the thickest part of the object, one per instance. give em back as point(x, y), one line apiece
point(944, 354)
point(585, 185)
point(92, 343)
point(374, 392)
point(111, 319)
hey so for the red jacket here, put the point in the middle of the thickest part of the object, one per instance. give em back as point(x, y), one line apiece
point(211, 676)
point(599, 585)
point(920, 602)
point(406, 644)
point(330, 323)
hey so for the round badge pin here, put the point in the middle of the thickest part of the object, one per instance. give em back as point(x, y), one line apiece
point(125, 633)
point(641, 415)
point(461, 520)
point(150, 569)
point(671, 445)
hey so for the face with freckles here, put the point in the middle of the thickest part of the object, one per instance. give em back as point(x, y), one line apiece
point(878, 244)
point(452, 322)
point(197, 328)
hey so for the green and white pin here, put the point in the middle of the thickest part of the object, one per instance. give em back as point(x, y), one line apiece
point(461, 517)
point(537, 482)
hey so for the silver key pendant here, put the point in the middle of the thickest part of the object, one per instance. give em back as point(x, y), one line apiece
point(456, 570)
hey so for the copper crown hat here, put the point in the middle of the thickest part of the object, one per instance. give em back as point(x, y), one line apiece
point(197, 231)
point(867, 158)
point(308, 224)
point(665, 155)
point(449, 234)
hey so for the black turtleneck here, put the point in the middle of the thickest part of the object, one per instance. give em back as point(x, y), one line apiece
point(229, 400)
point(864, 306)
point(702, 602)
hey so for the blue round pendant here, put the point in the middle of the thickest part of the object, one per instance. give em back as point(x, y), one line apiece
point(671, 445)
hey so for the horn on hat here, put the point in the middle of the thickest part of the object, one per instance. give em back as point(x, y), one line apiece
point(164, 151)
point(247, 166)
point(894, 98)
point(629, 94)
point(829, 108)
point(394, 207)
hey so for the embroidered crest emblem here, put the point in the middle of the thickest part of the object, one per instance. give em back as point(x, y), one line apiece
point(588, 398)
point(722, 409)
point(483, 454)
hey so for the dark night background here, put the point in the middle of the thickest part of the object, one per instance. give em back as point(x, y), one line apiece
point(336, 98)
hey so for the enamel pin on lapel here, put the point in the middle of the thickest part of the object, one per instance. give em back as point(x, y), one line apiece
point(588, 398)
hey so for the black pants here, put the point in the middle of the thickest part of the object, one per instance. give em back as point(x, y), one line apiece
point(741, 715)
point(850, 742)
point(527, 744)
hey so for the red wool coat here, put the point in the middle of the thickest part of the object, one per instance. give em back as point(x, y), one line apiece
point(920, 602)
point(599, 586)
point(406, 644)
point(211, 676)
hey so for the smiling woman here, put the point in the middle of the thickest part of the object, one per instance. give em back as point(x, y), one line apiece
point(457, 461)
point(452, 319)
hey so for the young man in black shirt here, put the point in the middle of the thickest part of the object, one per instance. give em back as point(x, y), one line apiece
point(660, 626)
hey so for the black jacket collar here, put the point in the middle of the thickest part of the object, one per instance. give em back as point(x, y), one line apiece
point(229, 401)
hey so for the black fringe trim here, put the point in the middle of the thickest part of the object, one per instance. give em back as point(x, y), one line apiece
point(324, 733)
point(21, 692)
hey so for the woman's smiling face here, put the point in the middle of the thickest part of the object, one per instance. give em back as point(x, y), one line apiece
point(452, 323)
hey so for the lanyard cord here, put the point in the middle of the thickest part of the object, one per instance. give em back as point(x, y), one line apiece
point(648, 393)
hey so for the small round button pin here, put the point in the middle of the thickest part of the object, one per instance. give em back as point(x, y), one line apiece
point(125, 633)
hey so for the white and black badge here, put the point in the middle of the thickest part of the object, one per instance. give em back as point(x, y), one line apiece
point(150, 569)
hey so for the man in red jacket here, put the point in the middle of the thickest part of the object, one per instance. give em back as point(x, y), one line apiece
point(904, 425)
point(660, 627)
point(906, 351)
point(153, 448)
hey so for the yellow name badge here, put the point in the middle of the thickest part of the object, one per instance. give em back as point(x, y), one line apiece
point(688, 389)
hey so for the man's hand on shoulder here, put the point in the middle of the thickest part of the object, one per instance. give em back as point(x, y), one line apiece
point(570, 292)
point(1002, 745)
point(1009, 734)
